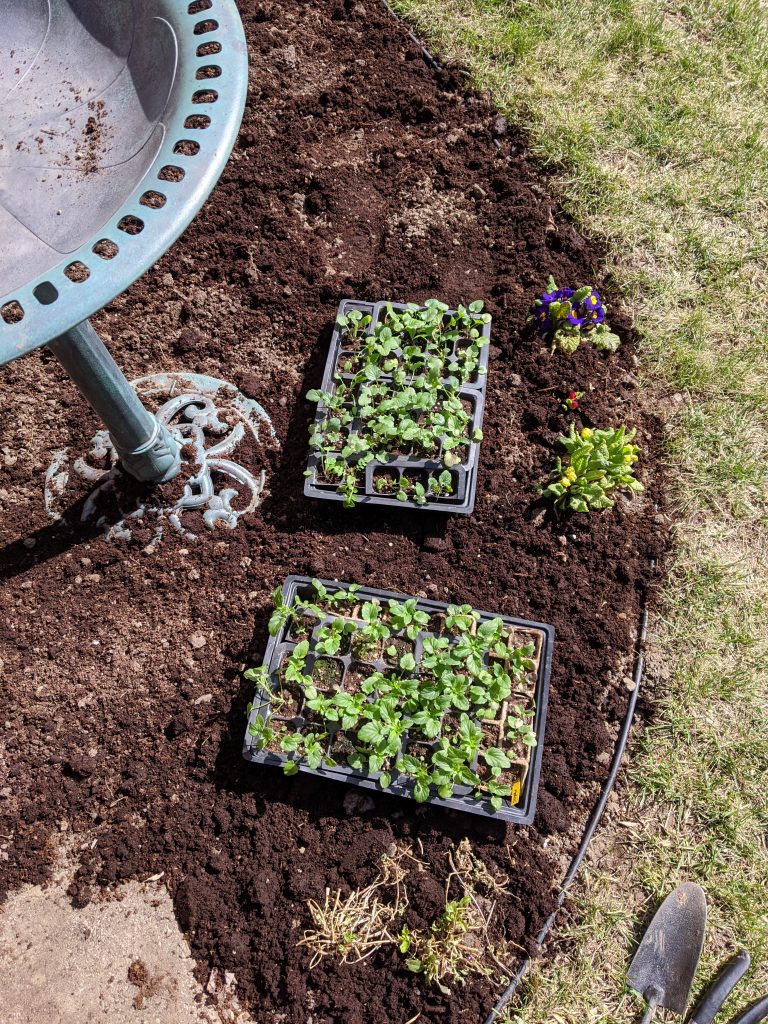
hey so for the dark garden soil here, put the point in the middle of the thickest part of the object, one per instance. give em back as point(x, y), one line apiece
point(359, 171)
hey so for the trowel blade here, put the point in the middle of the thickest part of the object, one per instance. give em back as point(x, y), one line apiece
point(666, 959)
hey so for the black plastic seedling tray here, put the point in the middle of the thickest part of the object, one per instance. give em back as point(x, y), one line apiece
point(462, 500)
point(521, 813)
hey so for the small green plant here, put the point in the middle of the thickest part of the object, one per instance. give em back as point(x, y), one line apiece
point(442, 953)
point(459, 618)
point(333, 636)
point(308, 747)
point(451, 768)
point(418, 769)
point(519, 726)
point(397, 393)
point(261, 730)
point(295, 665)
point(355, 322)
point(407, 617)
point(281, 612)
point(368, 639)
point(259, 676)
point(567, 316)
point(333, 599)
point(600, 463)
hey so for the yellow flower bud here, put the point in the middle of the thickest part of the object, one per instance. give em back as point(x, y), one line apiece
point(565, 481)
point(586, 433)
point(571, 473)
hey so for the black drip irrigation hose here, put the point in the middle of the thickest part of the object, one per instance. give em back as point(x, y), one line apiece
point(433, 62)
point(592, 823)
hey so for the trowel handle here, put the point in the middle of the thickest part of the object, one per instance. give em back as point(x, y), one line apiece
point(755, 1012)
point(720, 988)
point(653, 997)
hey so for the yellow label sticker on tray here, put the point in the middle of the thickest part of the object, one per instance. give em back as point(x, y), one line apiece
point(514, 794)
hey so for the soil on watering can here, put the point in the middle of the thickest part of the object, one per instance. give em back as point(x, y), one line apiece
point(358, 171)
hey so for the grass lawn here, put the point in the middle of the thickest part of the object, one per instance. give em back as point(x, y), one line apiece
point(651, 118)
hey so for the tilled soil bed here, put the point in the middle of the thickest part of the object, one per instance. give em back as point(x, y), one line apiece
point(359, 171)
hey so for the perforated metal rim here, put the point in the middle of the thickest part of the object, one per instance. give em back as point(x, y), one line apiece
point(202, 120)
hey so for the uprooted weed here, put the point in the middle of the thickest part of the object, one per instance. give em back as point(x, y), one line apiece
point(355, 926)
point(456, 946)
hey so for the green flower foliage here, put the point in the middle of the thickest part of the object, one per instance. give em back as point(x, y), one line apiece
point(600, 463)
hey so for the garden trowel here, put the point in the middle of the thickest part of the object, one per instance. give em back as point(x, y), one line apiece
point(664, 965)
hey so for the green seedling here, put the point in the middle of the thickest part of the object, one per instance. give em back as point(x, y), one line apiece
point(259, 676)
point(473, 648)
point(261, 730)
point(490, 688)
point(428, 721)
point(346, 709)
point(384, 727)
point(420, 772)
point(309, 747)
point(519, 726)
point(497, 791)
point(460, 618)
point(440, 485)
point(520, 660)
point(281, 612)
point(324, 706)
point(369, 638)
point(496, 760)
point(406, 617)
point(405, 939)
point(468, 738)
point(456, 690)
point(437, 653)
point(294, 667)
point(332, 636)
point(353, 323)
point(337, 598)
point(450, 769)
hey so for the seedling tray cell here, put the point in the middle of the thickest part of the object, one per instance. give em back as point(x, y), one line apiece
point(463, 475)
point(345, 671)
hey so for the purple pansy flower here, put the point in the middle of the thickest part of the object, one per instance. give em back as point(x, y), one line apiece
point(593, 310)
point(574, 316)
point(556, 296)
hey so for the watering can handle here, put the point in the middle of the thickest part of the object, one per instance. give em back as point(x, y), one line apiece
point(653, 996)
